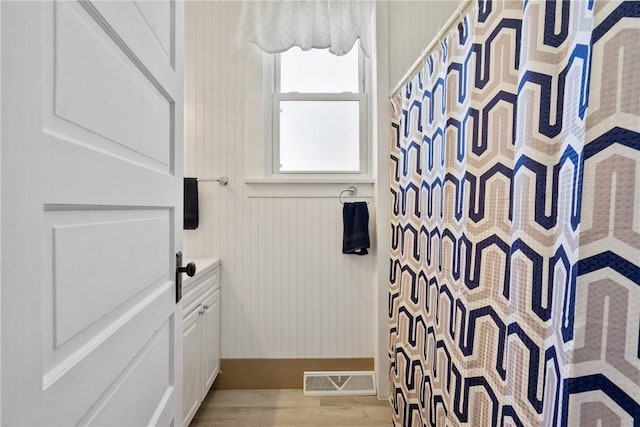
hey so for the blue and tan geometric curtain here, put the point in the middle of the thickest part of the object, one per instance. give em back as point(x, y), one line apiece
point(515, 184)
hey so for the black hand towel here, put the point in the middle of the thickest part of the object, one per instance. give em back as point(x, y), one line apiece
point(191, 218)
point(355, 217)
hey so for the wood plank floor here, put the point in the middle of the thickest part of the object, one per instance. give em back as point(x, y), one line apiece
point(289, 408)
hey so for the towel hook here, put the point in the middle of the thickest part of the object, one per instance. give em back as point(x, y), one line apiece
point(352, 190)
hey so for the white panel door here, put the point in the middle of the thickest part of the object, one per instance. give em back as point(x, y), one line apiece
point(91, 212)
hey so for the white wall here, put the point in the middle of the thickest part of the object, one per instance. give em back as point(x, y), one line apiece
point(412, 26)
point(1, 281)
point(287, 290)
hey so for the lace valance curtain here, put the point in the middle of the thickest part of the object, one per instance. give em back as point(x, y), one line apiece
point(276, 26)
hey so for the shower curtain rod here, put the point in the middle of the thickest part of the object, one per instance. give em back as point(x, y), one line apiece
point(463, 7)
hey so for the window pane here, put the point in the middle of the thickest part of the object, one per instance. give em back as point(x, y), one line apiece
point(318, 71)
point(319, 136)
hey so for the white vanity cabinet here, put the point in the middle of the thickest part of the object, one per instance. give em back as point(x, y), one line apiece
point(201, 334)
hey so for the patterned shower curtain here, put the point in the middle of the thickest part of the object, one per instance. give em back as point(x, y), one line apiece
point(515, 258)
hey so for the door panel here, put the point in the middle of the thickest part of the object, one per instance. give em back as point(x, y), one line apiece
point(121, 237)
point(91, 213)
point(84, 379)
point(157, 15)
point(76, 177)
point(146, 28)
point(144, 384)
point(106, 93)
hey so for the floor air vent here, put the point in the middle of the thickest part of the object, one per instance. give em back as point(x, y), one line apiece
point(337, 383)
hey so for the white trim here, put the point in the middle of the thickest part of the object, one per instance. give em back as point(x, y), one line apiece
point(269, 80)
point(1, 281)
point(381, 134)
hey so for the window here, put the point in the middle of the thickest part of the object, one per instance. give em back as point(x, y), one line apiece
point(319, 112)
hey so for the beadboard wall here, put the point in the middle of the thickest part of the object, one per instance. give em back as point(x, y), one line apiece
point(412, 26)
point(287, 290)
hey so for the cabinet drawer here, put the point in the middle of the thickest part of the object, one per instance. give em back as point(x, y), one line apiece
point(198, 288)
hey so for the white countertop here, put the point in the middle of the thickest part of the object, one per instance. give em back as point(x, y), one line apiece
point(202, 266)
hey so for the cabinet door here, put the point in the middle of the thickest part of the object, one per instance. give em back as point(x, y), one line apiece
point(211, 340)
point(192, 365)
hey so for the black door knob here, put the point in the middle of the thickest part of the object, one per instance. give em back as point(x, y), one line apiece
point(190, 269)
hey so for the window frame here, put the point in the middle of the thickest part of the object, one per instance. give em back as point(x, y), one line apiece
point(272, 107)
